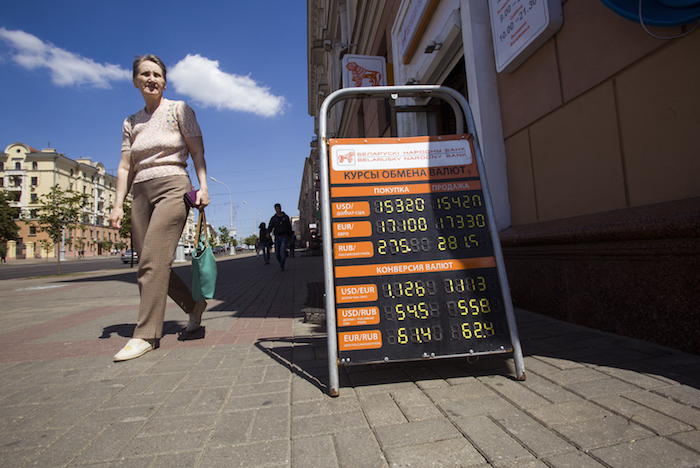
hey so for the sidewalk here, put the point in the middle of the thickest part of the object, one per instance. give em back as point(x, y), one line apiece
point(249, 390)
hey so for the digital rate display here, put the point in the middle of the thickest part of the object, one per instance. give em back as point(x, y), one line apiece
point(414, 269)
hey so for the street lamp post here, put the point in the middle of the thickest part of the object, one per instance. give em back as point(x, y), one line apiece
point(230, 206)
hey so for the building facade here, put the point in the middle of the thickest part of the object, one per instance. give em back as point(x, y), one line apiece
point(587, 141)
point(27, 173)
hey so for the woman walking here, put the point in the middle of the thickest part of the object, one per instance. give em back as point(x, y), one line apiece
point(156, 143)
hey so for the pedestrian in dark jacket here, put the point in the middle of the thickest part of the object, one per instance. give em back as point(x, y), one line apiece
point(281, 227)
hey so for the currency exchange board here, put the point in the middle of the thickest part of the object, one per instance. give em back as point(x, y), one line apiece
point(413, 262)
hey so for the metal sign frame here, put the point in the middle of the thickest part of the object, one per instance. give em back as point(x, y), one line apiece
point(460, 106)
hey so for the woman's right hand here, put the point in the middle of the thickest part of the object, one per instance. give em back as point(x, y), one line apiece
point(115, 217)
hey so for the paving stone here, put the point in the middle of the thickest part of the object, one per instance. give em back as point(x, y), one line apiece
point(232, 429)
point(689, 439)
point(667, 406)
point(241, 403)
point(569, 377)
point(455, 409)
point(303, 390)
point(568, 413)
point(326, 406)
point(210, 400)
point(530, 433)
point(31, 417)
point(381, 410)
point(358, 447)
point(514, 391)
point(575, 459)
point(534, 365)
point(473, 389)
point(415, 405)
point(273, 453)
point(548, 390)
point(313, 452)
point(561, 364)
point(637, 378)
point(271, 424)
point(598, 388)
point(602, 432)
point(177, 403)
point(682, 393)
point(175, 460)
point(652, 453)
point(327, 424)
point(657, 422)
point(132, 400)
point(186, 423)
point(106, 446)
point(142, 445)
point(418, 432)
point(383, 388)
point(60, 452)
point(452, 452)
point(499, 448)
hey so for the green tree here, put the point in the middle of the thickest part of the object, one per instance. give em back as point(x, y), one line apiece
point(224, 235)
point(59, 209)
point(8, 227)
point(125, 229)
point(46, 246)
point(250, 240)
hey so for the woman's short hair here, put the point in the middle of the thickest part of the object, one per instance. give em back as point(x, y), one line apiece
point(151, 58)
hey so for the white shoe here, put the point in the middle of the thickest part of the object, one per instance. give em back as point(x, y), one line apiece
point(196, 316)
point(134, 348)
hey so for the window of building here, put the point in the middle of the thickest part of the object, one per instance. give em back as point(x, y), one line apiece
point(18, 166)
point(35, 181)
point(33, 214)
point(32, 230)
point(34, 197)
point(18, 181)
point(35, 165)
point(2, 166)
point(2, 181)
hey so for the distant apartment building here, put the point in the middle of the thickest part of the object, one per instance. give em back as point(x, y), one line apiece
point(27, 173)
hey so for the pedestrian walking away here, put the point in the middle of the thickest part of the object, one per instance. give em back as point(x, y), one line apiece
point(265, 243)
point(281, 227)
point(153, 166)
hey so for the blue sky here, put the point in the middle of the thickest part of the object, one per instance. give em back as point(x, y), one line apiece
point(65, 83)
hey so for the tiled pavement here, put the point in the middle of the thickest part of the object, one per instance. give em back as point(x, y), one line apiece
point(250, 390)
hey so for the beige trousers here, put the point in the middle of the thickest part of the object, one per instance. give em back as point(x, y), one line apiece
point(158, 215)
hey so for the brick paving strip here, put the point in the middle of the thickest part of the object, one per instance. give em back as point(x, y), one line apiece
point(249, 390)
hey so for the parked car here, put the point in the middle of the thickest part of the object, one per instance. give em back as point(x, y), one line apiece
point(126, 256)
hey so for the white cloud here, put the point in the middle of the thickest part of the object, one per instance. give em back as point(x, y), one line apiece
point(202, 80)
point(66, 68)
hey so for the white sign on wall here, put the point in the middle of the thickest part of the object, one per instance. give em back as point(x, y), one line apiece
point(363, 70)
point(520, 27)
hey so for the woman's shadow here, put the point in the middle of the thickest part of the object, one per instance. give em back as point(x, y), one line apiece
point(170, 327)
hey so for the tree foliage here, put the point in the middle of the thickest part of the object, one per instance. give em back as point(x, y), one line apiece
point(224, 235)
point(8, 227)
point(59, 209)
point(250, 240)
point(125, 229)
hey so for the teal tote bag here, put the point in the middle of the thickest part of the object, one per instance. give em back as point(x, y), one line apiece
point(203, 264)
